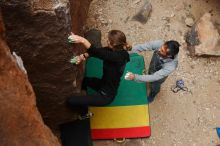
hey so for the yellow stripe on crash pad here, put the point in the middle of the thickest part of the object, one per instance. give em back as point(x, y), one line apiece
point(119, 117)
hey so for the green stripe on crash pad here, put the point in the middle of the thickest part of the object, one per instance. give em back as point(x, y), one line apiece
point(129, 92)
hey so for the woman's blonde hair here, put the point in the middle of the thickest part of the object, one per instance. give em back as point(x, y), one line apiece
point(117, 40)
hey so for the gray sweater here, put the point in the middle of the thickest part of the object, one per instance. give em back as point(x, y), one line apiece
point(167, 68)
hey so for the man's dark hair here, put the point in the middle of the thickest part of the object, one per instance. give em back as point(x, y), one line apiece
point(173, 48)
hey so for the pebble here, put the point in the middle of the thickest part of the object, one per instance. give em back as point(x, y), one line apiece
point(172, 15)
point(110, 21)
point(189, 21)
point(207, 109)
point(136, 2)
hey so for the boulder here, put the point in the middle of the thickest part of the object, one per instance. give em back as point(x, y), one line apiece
point(203, 38)
point(21, 123)
point(144, 13)
point(37, 31)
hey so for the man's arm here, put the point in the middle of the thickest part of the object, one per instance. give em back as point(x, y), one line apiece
point(149, 46)
point(164, 72)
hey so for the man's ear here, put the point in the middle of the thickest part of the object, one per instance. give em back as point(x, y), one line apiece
point(168, 52)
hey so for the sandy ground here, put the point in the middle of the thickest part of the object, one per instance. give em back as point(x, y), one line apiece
point(181, 119)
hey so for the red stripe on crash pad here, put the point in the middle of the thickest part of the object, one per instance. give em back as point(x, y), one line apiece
point(121, 133)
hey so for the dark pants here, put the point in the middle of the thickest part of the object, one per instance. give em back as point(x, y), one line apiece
point(97, 99)
point(155, 89)
point(155, 65)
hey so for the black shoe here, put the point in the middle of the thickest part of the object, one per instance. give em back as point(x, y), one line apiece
point(150, 99)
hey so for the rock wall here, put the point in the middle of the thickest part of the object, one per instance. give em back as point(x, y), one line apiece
point(21, 123)
point(37, 31)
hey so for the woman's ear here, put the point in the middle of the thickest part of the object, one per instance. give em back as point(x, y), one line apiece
point(109, 44)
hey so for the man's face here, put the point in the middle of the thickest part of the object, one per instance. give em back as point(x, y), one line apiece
point(163, 51)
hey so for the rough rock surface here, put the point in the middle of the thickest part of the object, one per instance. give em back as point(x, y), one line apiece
point(37, 31)
point(204, 38)
point(21, 123)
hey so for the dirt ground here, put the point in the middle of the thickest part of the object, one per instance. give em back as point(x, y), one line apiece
point(181, 119)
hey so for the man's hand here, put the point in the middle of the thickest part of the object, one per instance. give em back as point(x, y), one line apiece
point(129, 76)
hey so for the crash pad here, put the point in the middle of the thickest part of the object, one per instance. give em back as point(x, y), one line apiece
point(128, 115)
